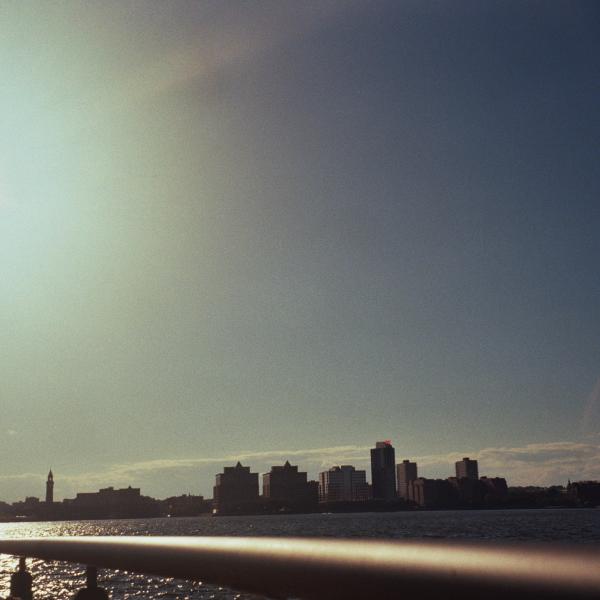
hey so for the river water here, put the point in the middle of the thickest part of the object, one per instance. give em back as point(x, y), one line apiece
point(60, 580)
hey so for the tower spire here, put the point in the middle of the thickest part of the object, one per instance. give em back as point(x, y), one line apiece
point(50, 488)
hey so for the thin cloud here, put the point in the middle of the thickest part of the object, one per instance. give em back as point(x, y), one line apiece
point(540, 463)
point(532, 464)
point(22, 477)
point(317, 456)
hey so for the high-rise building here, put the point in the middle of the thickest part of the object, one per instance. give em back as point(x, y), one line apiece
point(383, 470)
point(343, 484)
point(287, 485)
point(406, 472)
point(236, 489)
point(467, 468)
point(50, 488)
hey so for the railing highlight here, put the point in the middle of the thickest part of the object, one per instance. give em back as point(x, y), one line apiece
point(329, 569)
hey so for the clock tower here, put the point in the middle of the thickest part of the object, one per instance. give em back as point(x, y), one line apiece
point(50, 488)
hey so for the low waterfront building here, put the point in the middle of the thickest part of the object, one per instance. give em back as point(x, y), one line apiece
point(586, 493)
point(432, 493)
point(111, 503)
point(494, 488)
point(186, 505)
point(469, 492)
point(30, 507)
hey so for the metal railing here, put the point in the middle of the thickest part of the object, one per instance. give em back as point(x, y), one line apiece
point(345, 569)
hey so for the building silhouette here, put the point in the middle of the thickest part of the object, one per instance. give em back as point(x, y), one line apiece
point(495, 489)
point(50, 488)
point(467, 468)
point(469, 491)
point(235, 490)
point(186, 505)
point(288, 487)
point(343, 484)
point(383, 471)
point(433, 493)
point(586, 493)
point(111, 503)
point(313, 492)
point(406, 472)
point(25, 508)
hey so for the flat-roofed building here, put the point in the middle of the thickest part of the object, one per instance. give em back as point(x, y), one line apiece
point(467, 468)
point(383, 470)
point(111, 502)
point(186, 505)
point(587, 493)
point(432, 493)
point(495, 488)
point(469, 491)
point(288, 486)
point(343, 484)
point(108, 497)
point(236, 489)
point(406, 471)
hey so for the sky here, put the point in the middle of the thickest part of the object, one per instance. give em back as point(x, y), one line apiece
point(276, 230)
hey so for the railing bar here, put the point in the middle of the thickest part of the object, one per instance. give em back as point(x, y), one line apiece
point(322, 569)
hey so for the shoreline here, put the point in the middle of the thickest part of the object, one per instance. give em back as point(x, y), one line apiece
point(208, 515)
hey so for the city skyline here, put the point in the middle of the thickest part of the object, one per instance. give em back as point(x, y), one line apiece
point(286, 487)
point(284, 230)
point(196, 476)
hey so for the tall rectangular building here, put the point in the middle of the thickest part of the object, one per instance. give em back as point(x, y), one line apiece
point(467, 469)
point(288, 486)
point(343, 484)
point(236, 489)
point(383, 471)
point(406, 472)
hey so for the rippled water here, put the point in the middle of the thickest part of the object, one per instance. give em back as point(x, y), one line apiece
point(61, 580)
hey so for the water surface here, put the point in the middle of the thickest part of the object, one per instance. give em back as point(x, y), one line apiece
point(61, 580)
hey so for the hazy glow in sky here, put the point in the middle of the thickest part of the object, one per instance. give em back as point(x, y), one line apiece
point(232, 229)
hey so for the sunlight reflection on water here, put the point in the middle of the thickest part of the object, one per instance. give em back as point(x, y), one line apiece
point(60, 581)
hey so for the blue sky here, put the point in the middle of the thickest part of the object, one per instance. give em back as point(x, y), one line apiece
point(251, 229)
